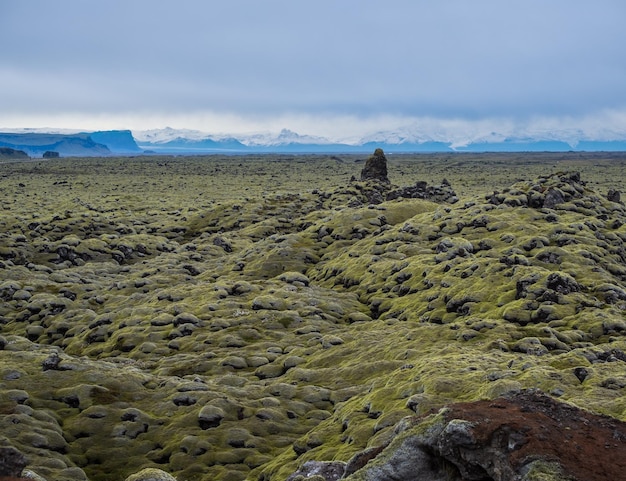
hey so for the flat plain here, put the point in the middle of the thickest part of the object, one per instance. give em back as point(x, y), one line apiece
point(231, 317)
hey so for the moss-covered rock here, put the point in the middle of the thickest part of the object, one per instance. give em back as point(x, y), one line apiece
point(216, 332)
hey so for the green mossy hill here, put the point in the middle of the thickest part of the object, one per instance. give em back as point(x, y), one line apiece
point(158, 320)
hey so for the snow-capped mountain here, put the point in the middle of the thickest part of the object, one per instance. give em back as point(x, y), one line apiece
point(411, 138)
point(284, 137)
point(261, 139)
point(168, 134)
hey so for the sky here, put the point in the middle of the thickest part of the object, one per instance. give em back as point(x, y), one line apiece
point(454, 70)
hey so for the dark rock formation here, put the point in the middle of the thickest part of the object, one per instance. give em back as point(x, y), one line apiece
point(521, 436)
point(421, 190)
point(382, 190)
point(12, 462)
point(51, 154)
point(553, 198)
point(613, 195)
point(376, 167)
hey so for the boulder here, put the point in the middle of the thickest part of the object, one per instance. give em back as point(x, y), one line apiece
point(613, 195)
point(12, 462)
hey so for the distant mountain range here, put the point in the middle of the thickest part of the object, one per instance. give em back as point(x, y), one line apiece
point(188, 142)
point(82, 144)
point(175, 141)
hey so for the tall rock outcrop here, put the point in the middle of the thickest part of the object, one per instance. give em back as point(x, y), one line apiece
point(376, 167)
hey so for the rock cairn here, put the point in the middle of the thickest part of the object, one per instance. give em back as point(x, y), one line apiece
point(382, 190)
point(375, 167)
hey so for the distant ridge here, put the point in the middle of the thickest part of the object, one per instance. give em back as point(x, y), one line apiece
point(6, 153)
point(184, 146)
point(172, 141)
point(84, 144)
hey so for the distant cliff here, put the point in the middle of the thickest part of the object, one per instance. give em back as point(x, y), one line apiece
point(85, 144)
point(118, 141)
point(7, 153)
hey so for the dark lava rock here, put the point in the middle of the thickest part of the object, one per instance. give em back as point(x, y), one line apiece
point(581, 373)
point(51, 362)
point(223, 243)
point(553, 198)
point(613, 195)
point(561, 283)
point(521, 436)
point(376, 167)
point(12, 462)
point(421, 190)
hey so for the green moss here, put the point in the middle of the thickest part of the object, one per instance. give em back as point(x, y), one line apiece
point(341, 318)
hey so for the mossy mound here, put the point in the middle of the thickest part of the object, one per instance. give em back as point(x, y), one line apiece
point(239, 338)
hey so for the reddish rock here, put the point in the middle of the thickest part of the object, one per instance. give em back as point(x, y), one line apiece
point(525, 435)
point(531, 425)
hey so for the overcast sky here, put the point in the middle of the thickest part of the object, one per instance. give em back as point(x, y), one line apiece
point(339, 68)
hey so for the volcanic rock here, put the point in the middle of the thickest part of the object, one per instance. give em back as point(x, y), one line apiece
point(421, 190)
point(12, 462)
point(613, 195)
point(376, 167)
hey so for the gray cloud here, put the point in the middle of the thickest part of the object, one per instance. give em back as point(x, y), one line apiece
point(446, 59)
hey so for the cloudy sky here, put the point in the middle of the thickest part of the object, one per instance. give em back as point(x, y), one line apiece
point(442, 70)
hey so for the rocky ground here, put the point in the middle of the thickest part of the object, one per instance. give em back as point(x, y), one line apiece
point(235, 318)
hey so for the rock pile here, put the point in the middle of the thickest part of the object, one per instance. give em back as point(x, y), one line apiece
point(421, 190)
point(376, 188)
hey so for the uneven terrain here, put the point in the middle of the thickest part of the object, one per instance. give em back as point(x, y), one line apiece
point(231, 318)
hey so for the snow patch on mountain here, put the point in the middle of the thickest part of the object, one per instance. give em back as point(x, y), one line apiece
point(168, 134)
point(284, 137)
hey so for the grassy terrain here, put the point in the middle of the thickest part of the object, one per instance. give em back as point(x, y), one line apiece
point(232, 317)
